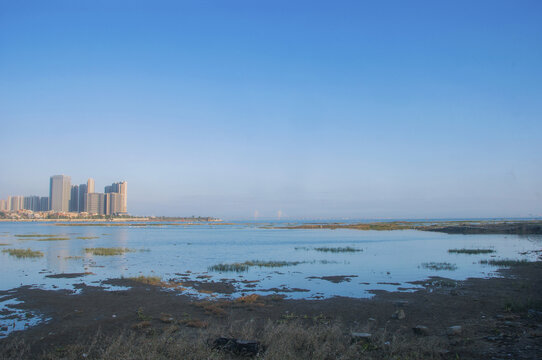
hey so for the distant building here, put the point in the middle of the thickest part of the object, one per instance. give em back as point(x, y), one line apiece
point(32, 203)
point(96, 203)
point(90, 186)
point(119, 202)
point(3, 205)
point(44, 203)
point(82, 198)
point(74, 198)
point(60, 193)
point(15, 203)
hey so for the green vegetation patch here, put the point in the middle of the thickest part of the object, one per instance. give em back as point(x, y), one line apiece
point(337, 249)
point(471, 251)
point(23, 253)
point(3, 244)
point(87, 237)
point(239, 267)
point(100, 251)
point(439, 266)
point(53, 239)
point(503, 262)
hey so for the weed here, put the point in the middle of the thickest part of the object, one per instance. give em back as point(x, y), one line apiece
point(504, 262)
point(100, 251)
point(439, 266)
point(240, 267)
point(337, 249)
point(471, 251)
point(23, 253)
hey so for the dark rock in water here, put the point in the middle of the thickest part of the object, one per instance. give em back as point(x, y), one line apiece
point(421, 330)
point(238, 347)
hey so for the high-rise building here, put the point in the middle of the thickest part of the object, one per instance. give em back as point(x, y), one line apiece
point(44, 203)
point(82, 198)
point(32, 203)
point(15, 203)
point(120, 188)
point(74, 198)
point(90, 186)
point(96, 203)
point(60, 193)
point(3, 205)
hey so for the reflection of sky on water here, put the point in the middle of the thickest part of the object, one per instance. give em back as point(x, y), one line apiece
point(387, 256)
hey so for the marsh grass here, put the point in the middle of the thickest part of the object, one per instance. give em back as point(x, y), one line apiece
point(504, 262)
point(281, 340)
point(53, 239)
point(23, 253)
point(87, 237)
point(100, 251)
point(337, 249)
point(4, 244)
point(240, 267)
point(149, 280)
point(439, 266)
point(34, 235)
point(471, 251)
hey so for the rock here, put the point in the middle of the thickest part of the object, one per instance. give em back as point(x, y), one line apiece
point(454, 330)
point(421, 330)
point(361, 336)
point(238, 347)
point(399, 314)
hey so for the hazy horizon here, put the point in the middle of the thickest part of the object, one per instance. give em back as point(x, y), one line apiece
point(317, 110)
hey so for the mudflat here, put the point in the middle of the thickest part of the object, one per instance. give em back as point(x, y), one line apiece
point(497, 318)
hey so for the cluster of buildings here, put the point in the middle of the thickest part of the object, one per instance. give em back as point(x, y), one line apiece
point(64, 197)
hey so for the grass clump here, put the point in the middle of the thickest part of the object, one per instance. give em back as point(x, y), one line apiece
point(240, 267)
point(34, 235)
point(337, 249)
point(439, 266)
point(23, 253)
point(149, 280)
point(471, 251)
point(504, 262)
point(236, 267)
point(87, 237)
point(100, 251)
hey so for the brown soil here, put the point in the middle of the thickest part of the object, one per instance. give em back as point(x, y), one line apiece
point(500, 318)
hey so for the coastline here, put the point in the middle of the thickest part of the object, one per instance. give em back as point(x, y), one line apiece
point(496, 317)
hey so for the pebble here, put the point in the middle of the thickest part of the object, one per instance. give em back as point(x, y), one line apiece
point(454, 330)
point(399, 314)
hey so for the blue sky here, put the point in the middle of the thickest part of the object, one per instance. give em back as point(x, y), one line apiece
point(381, 109)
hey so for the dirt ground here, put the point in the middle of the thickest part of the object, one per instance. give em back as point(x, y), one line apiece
point(498, 318)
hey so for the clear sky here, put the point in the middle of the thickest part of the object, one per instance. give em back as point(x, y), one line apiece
point(361, 109)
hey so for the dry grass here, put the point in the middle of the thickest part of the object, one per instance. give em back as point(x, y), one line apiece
point(23, 253)
point(282, 341)
point(100, 251)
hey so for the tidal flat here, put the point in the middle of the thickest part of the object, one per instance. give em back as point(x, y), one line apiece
point(277, 283)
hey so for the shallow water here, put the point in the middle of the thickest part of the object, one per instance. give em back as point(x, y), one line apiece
point(389, 260)
point(386, 256)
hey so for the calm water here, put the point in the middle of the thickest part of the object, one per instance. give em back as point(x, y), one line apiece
point(386, 256)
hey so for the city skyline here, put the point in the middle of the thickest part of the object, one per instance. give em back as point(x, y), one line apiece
point(360, 109)
point(67, 198)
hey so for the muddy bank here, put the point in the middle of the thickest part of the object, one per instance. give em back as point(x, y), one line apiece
point(474, 319)
point(516, 228)
point(527, 227)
